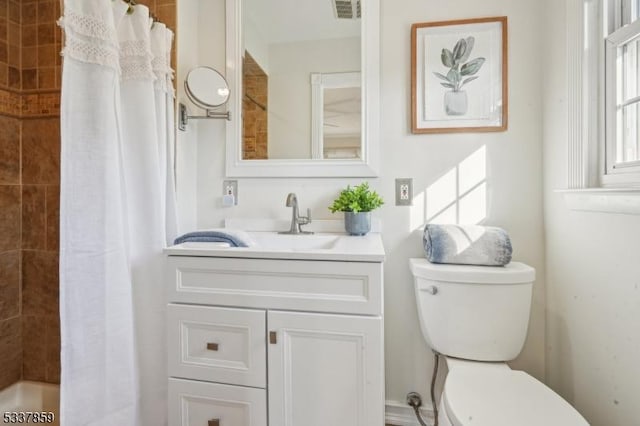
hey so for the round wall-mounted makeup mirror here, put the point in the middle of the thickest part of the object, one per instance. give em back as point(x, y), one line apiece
point(206, 87)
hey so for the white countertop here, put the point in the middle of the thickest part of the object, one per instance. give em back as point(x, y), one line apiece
point(344, 248)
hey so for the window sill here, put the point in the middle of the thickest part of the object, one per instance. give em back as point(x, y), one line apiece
point(603, 200)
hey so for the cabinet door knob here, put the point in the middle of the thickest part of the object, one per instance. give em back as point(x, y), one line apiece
point(273, 337)
point(214, 422)
point(212, 346)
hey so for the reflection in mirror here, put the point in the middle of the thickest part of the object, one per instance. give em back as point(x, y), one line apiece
point(336, 115)
point(206, 87)
point(254, 110)
point(285, 48)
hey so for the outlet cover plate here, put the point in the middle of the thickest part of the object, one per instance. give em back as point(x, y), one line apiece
point(230, 187)
point(404, 192)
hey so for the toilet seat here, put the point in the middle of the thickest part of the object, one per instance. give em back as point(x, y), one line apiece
point(503, 397)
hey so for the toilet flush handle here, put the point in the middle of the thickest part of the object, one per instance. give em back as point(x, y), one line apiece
point(433, 290)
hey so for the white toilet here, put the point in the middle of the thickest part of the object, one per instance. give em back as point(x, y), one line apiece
point(477, 317)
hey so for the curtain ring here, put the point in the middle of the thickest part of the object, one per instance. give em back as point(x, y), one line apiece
point(130, 9)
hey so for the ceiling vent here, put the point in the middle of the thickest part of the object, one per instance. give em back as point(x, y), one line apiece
point(346, 9)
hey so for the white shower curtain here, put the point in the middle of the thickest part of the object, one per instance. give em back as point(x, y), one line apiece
point(117, 213)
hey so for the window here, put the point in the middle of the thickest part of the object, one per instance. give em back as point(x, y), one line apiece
point(621, 150)
point(603, 65)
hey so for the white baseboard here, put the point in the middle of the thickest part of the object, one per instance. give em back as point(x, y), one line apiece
point(400, 414)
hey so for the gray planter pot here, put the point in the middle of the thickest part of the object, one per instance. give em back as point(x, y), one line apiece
point(456, 103)
point(357, 223)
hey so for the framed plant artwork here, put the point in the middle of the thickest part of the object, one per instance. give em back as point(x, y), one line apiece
point(459, 76)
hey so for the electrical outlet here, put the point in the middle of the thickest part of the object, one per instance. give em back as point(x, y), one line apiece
point(404, 192)
point(230, 187)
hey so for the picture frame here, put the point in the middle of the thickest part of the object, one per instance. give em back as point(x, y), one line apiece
point(459, 76)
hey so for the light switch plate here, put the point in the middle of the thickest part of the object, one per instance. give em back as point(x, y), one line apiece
point(404, 192)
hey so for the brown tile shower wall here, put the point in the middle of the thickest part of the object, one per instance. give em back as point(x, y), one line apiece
point(29, 188)
point(39, 243)
point(10, 204)
point(30, 75)
point(10, 195)
point(41, 41)
point(41, 68)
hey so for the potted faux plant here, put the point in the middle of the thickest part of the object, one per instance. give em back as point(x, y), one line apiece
point(357, 203)
point(460, 74)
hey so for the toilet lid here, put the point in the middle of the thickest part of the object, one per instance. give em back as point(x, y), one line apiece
point(504, 398)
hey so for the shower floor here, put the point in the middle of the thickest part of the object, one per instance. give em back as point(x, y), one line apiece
point(33, 397)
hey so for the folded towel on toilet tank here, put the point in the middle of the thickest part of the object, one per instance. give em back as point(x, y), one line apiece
point(467, 245)
point(234, 237)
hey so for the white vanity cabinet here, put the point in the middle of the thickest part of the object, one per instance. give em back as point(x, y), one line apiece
point(279, 342)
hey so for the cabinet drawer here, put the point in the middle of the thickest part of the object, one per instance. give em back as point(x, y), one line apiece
point(300, 285)
point(210, 404)
point(217, 344)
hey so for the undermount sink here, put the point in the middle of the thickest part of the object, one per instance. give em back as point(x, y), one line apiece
point(274, 241)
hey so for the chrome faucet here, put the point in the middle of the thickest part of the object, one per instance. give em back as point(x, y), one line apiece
point(296, 220)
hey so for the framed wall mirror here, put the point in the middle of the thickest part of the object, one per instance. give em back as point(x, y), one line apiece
point(304, 79)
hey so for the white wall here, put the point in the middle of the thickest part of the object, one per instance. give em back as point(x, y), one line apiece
point(290, 68)
point(513, 161)
point(186, 142)
point(593, 272)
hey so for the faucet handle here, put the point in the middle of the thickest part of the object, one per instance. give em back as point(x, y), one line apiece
point(305, 220)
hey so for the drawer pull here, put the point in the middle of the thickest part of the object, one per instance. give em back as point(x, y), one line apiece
point(214, 422)
point(273, 337)
point(212, 347)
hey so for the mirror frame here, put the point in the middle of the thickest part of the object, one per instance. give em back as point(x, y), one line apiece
point(366, 166)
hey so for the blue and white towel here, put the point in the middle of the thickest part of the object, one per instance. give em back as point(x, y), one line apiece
point(233, 237)
point(467, 245)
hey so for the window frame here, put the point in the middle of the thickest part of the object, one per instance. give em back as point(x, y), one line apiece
point(616, 34)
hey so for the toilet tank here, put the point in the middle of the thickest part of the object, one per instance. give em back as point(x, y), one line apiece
point(474, 312)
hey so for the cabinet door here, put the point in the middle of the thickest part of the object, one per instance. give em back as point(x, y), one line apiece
point(193, 403)
point(325, 370)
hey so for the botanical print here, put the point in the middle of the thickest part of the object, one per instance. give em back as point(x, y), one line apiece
point(463, 101)
point(460, 74)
